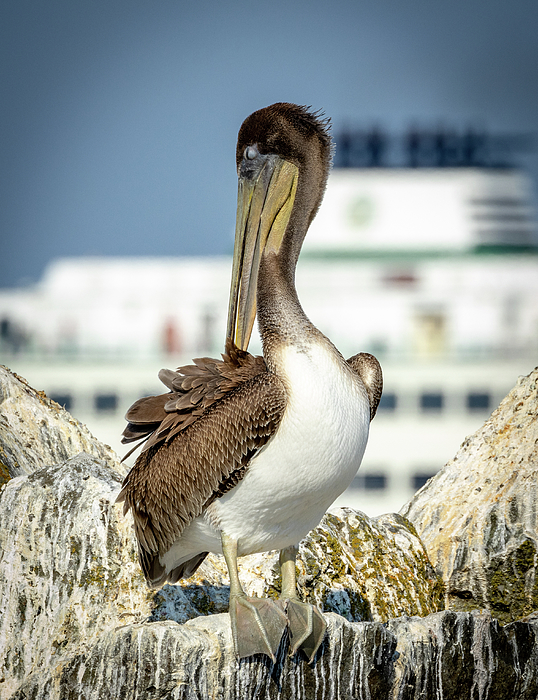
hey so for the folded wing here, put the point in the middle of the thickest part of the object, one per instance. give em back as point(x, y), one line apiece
point(200, 437)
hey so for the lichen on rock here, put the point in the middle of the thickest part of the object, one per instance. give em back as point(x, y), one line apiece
point(367, 568)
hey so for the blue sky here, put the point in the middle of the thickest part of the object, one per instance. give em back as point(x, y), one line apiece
point(119, 118)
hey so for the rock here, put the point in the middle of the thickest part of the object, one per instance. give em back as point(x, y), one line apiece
point(69, 574)
point(68, 569)
point(35, 431)
point(478, 517)
point(367, 568)
point(454, 656)
point(78, 621)
point(446, 655)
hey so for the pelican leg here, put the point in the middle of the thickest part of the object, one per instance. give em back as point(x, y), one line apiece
point(257, 623)
point(306, 624)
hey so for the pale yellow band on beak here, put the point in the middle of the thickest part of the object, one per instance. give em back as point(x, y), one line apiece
point(263, 213)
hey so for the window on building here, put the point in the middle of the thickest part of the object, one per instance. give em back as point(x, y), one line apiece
point(65, 400)
point(106, 403)
point(374, 481)
point(431, 401)
point(478, 401)
point(420, 478)
point(388, 401)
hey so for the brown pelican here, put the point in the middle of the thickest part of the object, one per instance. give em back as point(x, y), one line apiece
point(245, 454)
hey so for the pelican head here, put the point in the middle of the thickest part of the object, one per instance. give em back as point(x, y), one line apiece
point(283, 159)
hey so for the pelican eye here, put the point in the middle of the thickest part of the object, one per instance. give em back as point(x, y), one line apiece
point(251, 152)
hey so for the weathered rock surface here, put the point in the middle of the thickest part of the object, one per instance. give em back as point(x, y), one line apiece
point(67, 565)
point(36, 431)
point(478, 517)
point(77, 620)
point(69, 571)
point(446, 655)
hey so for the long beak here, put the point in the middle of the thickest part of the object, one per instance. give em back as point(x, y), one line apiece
point(264, 205)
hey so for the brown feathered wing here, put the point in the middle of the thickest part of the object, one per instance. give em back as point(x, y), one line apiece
point(200, 438)
point(369, 370)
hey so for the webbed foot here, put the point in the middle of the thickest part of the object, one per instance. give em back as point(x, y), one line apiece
point(257, 626)
point(307, 627)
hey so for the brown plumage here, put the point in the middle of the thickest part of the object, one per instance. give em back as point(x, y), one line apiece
point(236, 402)
point(369, 370)
point(193, 388)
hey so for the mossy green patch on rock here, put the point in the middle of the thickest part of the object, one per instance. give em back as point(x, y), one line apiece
point(367, 568)
point(512, 586)
point(203, 602)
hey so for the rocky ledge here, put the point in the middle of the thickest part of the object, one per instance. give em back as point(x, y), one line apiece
point(77, 620)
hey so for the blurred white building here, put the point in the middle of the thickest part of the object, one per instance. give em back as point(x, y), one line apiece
point(435, 271)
